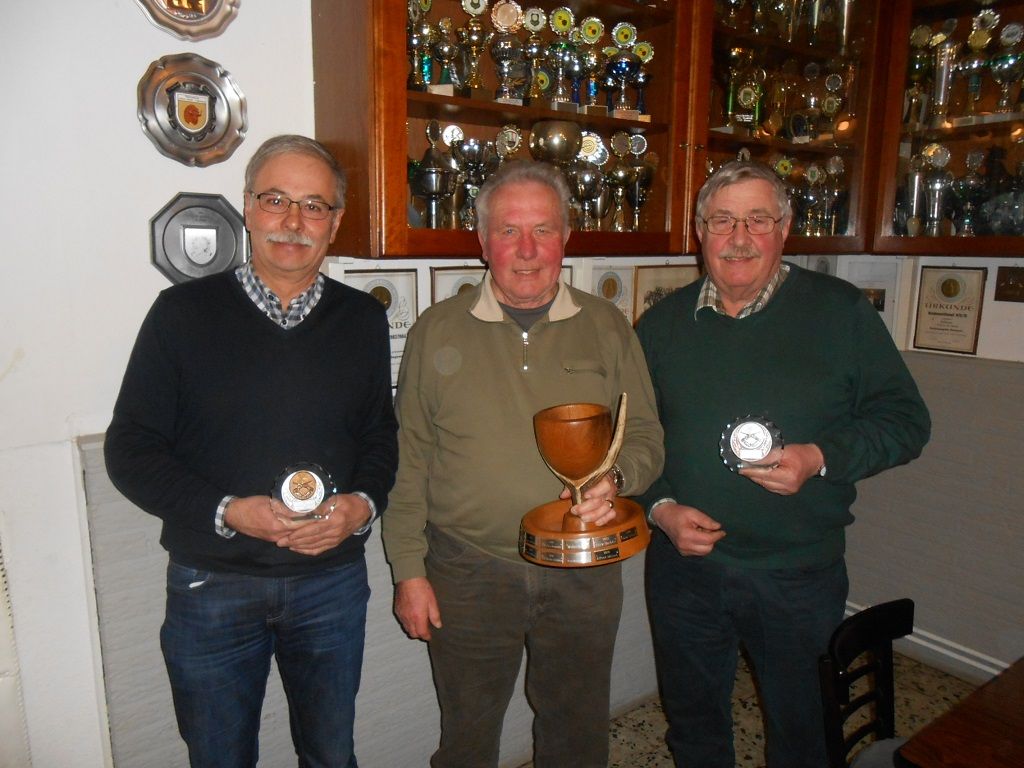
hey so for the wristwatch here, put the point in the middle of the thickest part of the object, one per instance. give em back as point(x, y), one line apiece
point(617, 477)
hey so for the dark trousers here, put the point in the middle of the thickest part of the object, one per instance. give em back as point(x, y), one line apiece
point(701, 612)
point(219, 634)
point(566, 618)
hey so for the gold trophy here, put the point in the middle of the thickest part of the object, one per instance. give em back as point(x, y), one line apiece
point(576, 443)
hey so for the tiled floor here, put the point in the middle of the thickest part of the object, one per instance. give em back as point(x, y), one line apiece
point(637, 737)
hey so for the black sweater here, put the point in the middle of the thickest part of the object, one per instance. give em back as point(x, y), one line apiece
point(217, 399)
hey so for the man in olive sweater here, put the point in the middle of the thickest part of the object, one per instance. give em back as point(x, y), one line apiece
point(753, 554)
point(476, 369)
point(233, 379)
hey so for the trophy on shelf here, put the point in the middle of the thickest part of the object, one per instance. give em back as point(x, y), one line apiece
point(562, 58)
point(420, 41)
point(784, 14)
point(535, 51)
point(779, 91)
point(812, 198)
point(587, 183)
point(919, 72)
point(434, 177)
point(642, 171)
point(1007, 64)
point(831, 103)
point(642, 78)
point(623, 65)
point(555, 141)
point(618, 177)
point(973, 65)
point(473, 41)
point(971, 192)
point(937, 183)
point(507, 142)
point(476, 160)
point(732, 10)
point(911, 204)
point(946, 51)
point(593, 61)
point(507, 49)
point(842, 14)
point(832, 195)
point(445, 50)
point(577, 444)
point(759, 17)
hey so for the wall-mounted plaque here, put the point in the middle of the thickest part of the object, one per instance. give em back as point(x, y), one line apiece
point(191, 109)
point(190, 19)
point(195, 235)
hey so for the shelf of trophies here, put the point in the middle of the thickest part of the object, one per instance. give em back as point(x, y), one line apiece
point(791, 83)
point(953, 171)
point(460, 86)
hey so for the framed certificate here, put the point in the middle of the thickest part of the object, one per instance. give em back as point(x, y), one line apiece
point(949, 301)
point(655, 282)
point(395, 289)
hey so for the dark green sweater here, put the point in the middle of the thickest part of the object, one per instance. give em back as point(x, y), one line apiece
point(819, 362)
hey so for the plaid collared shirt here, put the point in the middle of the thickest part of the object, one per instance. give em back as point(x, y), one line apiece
point(270, 304)
point(709, 296)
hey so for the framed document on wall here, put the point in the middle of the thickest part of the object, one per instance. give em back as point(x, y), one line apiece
point(949, 301)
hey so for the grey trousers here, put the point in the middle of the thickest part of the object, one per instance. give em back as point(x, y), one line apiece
point(567, 619)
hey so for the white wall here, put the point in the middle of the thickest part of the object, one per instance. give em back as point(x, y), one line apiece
point(80, 183)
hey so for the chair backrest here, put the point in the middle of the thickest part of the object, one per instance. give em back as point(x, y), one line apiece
point(857, 679)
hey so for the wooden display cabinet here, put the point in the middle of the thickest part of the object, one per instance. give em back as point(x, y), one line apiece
point(376, 125)
point(801, 96)
point(957, 146)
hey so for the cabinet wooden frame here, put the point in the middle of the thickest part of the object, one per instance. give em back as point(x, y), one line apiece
point(368, 118)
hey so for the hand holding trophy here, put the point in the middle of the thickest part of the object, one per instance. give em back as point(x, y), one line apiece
point(576, 443)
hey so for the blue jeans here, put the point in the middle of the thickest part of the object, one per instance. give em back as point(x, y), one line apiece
point(701, 613)
point(218, 635)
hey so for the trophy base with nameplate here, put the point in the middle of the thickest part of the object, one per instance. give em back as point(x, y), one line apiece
point(576, 443)
point(302, 488)
point(750, 441)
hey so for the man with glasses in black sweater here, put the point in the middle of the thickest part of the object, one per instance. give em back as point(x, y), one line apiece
point(246, 393)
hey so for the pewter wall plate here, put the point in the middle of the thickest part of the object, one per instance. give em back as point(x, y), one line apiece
point(190, 19)
point(191, 109)
point(196, 235)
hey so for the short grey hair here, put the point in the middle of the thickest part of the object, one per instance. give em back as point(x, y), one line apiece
point(300, 145)
point(519, 172)
point(733, 173)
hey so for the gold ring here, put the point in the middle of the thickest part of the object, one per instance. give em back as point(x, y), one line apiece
point(611, 504)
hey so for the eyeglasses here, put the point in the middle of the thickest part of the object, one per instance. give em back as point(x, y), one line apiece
point(756, 225)
point(272, 202)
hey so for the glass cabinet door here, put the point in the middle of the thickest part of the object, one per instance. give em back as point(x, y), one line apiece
point(790, 83)
point(953, 166)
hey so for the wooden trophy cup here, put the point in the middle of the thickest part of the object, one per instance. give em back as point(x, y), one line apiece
point(576, 443)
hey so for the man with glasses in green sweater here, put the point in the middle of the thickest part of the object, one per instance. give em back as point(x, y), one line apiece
point(778, 388)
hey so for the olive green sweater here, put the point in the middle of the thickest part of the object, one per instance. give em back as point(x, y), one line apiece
point(470, 382)
point(819, 362)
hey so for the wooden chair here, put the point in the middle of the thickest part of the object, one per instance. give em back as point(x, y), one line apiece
point(861, 649)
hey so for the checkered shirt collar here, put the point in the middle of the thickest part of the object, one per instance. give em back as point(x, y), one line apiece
point(710, 298)
point(270, 305)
